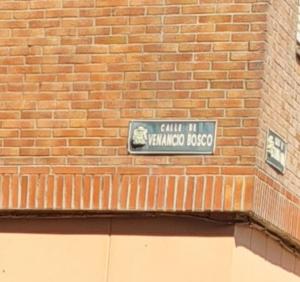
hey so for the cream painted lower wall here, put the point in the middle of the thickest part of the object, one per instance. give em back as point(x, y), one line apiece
point(258, 257)
point(144, 249)
point(170, 250)
point(53, 250)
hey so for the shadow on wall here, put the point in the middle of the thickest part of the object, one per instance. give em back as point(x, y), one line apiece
point(150, 226)
point(264, 255)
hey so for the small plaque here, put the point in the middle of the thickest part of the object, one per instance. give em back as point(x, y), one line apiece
point(172, 137)
point(276, 151)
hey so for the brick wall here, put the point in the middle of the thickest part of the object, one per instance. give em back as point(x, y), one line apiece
point(281, 95)
point(280, 111)
point(74, 73)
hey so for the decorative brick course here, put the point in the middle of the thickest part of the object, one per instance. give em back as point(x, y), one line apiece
point(99, 190)
point(277, 208)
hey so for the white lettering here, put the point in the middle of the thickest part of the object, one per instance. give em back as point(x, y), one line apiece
point(166, 139)
point(181, 139)
point(204, 139)
point(199, 140)
point(152, 138)
point(209, 140)
point(191, 140)
point(158, 140)
point(193, 127)
point(179, 127)
point(170, 141)
point(171, 127)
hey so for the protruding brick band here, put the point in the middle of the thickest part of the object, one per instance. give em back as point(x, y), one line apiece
point(124, 192)
point(275, 206)
point(101, 190)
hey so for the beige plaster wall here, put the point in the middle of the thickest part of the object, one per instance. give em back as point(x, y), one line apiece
point(114, 250)
point(53, 251)
point(153, 249)
point(170, 250)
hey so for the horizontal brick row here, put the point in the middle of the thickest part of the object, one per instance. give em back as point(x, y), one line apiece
point(123, 192)
point(132, 170)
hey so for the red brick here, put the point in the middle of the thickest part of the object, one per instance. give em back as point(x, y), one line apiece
point(4, 170)
point(248, 194)
point(190, 194)
point(142, 184)
point(133, 192)
point(203, 170)
point(106, 182)
point(218, 192)
point(161, 192)
point(238, 190)
point(23, 190)
point(59, 192)
point(170, 193)
point(180, 193)
point(107, 3)
point(78, 192)
point(5, 192)
point(86, 192)
point(124, 189)
point(199, 193)
point(34, 170)
point(68, 191)
point(238, 170)
point(208, 193)
point(96, 192)
point(151, 203)
point(228, 193)
point(133, 170)
point(249, 18)
point(15, 192)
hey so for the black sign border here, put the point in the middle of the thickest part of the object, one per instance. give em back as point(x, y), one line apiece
point(270, 163)
point(171, 153)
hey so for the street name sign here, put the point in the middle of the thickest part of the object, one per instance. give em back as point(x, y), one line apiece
point(172, 137)
point(276, 149)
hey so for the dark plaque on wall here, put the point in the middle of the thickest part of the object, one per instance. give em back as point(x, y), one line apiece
point(276, 149)
point(172, 137)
